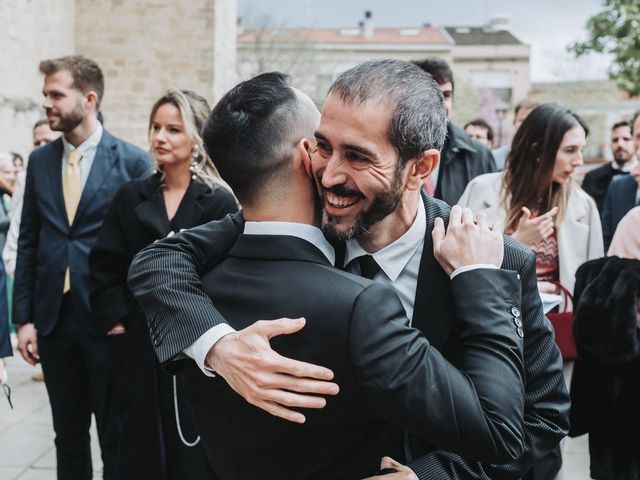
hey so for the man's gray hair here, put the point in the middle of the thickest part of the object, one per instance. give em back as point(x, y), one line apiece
point(418, 122)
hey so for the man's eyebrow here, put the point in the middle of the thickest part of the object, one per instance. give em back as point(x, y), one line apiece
point(347, 146)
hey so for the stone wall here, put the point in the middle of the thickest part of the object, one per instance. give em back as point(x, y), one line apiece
point(31, 31)
point(147, 46)
point(144, 47)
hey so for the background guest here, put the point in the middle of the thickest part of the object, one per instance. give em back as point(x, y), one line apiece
point(159, 439)
point(624, 191)
point(597, 181)
point(481, 131)
point(461, 159)
point(522, 110)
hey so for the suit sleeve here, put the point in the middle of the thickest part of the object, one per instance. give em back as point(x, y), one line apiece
point(595, 248)
point(26, 262)
point(476, 411)
point(607, 227)
point(165, 281)
point(109, 262)
point(546, 411)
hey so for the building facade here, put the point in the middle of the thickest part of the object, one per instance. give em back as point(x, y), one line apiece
point(139, 44)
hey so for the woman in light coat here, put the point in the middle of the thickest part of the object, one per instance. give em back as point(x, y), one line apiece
point(538, 201)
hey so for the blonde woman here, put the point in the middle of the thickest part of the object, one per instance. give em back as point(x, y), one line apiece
point(159, 439)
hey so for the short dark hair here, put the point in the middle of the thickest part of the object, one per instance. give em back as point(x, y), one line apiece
point(527, 104)
point(247, 134)
point(86, 73)
point(620, 124)
point(418, 122)
point(478, 122)
point(438, 69)
point(634, 118)
point(40, 122)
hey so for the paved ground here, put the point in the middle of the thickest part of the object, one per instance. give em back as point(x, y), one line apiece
point(26, 434)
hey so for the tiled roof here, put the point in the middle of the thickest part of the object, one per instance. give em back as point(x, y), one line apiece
point(482, 36)
point(399, 36)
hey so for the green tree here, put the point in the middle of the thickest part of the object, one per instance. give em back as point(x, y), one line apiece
point(615, 31)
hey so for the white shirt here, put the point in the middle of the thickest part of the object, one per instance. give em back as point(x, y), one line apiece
point(87, 149)
point(400, 261)
point(627, 167)
point(199, 349)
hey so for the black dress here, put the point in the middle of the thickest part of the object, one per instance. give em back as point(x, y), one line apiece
point(159, 439)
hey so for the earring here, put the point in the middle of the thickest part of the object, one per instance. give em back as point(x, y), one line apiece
point(196, 157)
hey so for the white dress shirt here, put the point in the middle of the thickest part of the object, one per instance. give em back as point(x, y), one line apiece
point(200, 348)
point(400, 261)
point(87, 149)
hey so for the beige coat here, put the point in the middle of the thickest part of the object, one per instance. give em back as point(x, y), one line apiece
point(579, 234)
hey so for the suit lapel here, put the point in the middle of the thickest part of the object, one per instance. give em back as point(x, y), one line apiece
point(433, 313)
point(55, 178)
point(151, 212)
point(190, 209)
point(102, 163)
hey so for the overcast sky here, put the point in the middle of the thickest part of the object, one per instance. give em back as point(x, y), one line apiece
point(547, 25)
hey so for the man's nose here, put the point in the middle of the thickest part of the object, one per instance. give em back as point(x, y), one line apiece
point(333, 173)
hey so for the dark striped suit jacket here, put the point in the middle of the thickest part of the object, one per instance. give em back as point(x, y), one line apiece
point(165, 279)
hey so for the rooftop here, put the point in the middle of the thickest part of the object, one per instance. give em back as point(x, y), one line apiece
point(482, 36)
point(400, 36)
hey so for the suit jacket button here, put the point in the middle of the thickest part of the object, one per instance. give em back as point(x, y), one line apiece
point(158, 341)
point(517, 321)
point(520, 332)
point(515, 312)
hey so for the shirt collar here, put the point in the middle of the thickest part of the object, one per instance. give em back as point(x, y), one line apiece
point(90, 143)
point(306, 232)
point(627, 167)
point(394, 257)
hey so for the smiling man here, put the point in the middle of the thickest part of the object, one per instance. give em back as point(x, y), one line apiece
point(69, 185)
point(373, 130)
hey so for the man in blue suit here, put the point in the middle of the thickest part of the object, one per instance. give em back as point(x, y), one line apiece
point(70, 182)
point(623, 193)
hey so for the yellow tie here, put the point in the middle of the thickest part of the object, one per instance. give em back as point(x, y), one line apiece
point(72, 190)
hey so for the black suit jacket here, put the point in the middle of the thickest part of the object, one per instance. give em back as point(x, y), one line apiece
point(196, 251)
point(48, 244)
point(136, 218)
point(597, 181)
point(385, 369)
point(620, 198)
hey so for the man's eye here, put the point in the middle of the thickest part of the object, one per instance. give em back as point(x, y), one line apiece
point(356, 157)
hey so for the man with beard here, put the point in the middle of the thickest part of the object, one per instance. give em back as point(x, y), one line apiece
point(367, 133)
point(70, 183)
point(597, 181)
point(281, 265)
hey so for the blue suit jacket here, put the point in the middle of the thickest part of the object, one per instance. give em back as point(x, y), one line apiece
point(620, 198)
point(48, 244)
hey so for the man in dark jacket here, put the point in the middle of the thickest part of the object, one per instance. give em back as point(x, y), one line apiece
point(461, 159)
point(597, 180)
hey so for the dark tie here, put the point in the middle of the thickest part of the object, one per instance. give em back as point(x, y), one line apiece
point(368, 266)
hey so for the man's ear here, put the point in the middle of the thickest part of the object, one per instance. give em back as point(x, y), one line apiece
point(421, 167)
point(303, 152)
point(91, 97)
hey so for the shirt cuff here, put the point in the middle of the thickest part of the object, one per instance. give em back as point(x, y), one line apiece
point(199, 349)
point(468, 268)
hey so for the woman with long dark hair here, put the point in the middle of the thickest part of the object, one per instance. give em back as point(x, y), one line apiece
point(159, 440)
point(537, 199)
